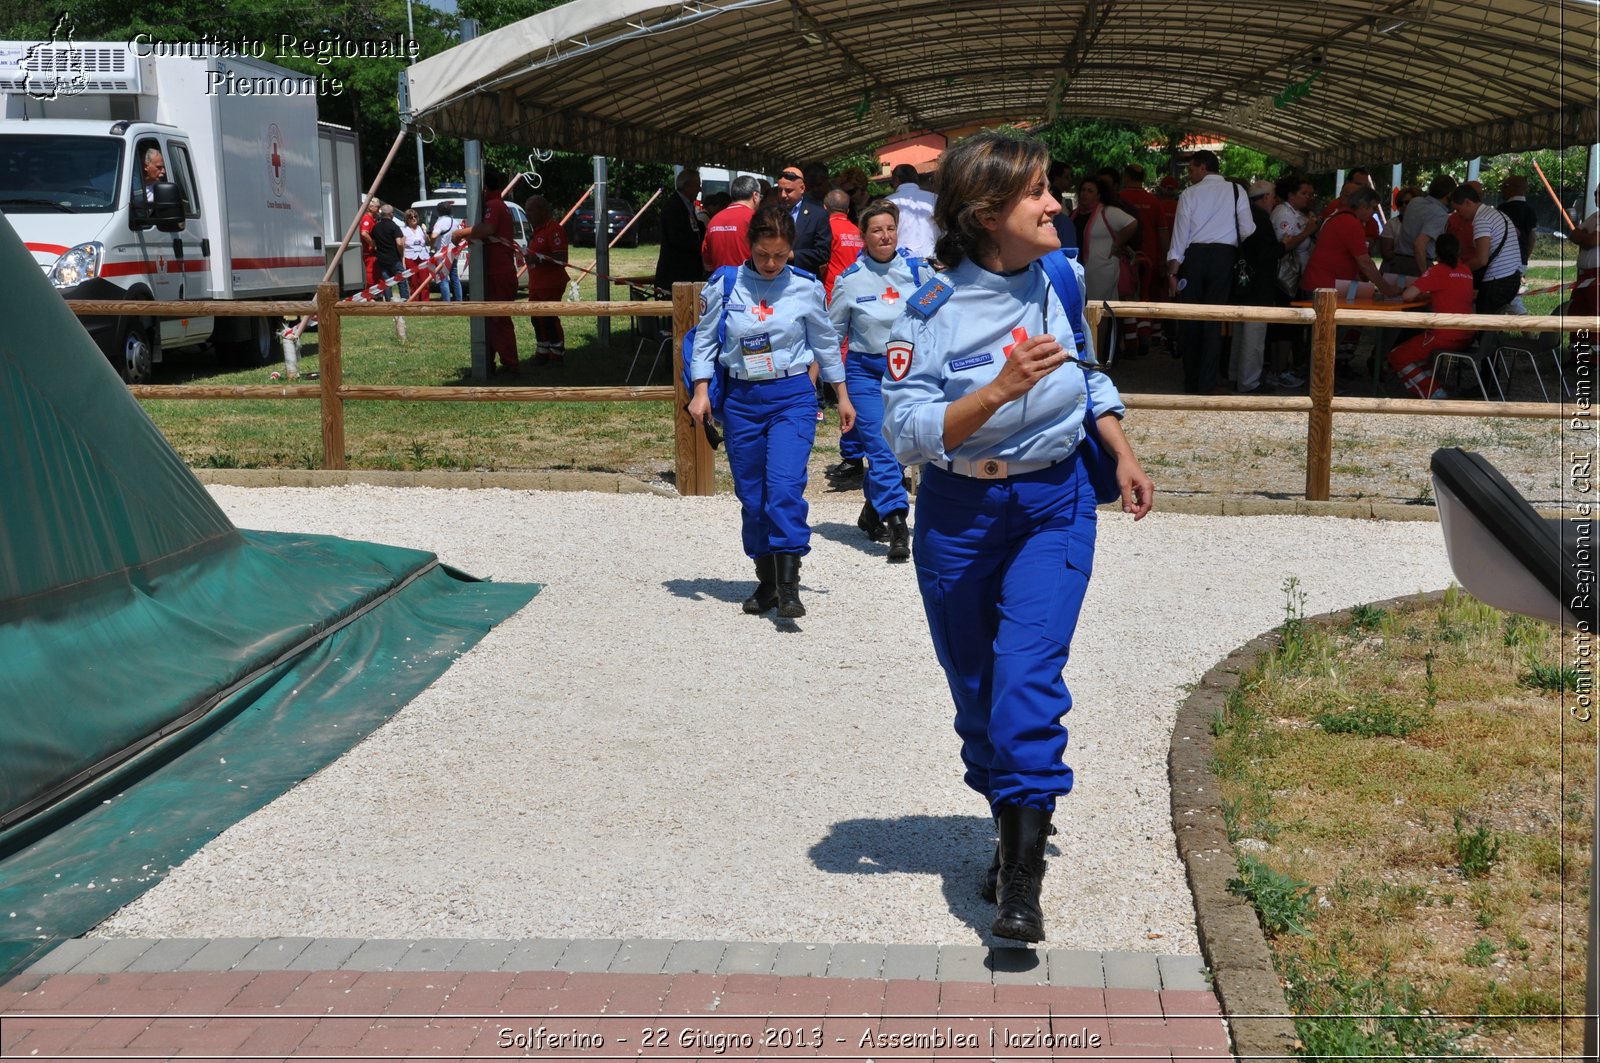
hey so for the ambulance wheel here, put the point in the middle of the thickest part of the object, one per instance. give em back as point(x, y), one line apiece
point(135, 354)
point(255, 341)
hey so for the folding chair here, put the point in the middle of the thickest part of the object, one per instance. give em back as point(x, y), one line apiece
point(1474, 358)
point(1505, 358)
point(661, 349)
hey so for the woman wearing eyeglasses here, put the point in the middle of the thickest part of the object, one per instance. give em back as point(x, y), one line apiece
point(767, 333)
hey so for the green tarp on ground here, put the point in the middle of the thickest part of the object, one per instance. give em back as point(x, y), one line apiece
point(141, 633)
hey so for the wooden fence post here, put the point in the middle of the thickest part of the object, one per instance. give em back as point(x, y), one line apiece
point(696, 467)
point(331, 375)
point(1319, 426)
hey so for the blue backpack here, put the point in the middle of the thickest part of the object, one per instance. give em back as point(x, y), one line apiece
point(716, 389)
point(1102, 468)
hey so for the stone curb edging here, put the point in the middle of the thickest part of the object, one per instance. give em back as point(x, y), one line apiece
point(1231, 939)
point(557, 480)
point(1058, 967)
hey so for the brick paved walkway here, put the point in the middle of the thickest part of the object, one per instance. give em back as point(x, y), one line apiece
point(304, 999)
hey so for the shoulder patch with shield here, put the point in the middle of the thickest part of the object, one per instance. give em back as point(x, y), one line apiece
point(898, 357)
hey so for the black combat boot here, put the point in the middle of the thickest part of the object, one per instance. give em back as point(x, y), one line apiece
point(870, 523)
point(765, 596)
point(846, 473)
point(789, 585)
point(1024, 832)
point(899, 536)
point(991, 878)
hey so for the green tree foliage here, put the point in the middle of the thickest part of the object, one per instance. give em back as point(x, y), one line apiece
point(1089, 144)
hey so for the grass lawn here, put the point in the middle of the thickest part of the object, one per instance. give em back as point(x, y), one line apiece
point(1412, 803)
point(633, 438)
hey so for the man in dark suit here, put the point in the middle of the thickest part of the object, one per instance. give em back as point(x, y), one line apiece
point(802, 193)
point(681, 234)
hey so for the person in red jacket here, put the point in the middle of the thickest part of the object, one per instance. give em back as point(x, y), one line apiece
point(725, 243)
point(547, 277)
point(1450, 285)
point(368, 220)
point(496, 232)
point(1341, 253)
point(847, 243)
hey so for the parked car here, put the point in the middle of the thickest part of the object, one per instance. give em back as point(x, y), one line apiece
point(619, 212)
point(428, 212)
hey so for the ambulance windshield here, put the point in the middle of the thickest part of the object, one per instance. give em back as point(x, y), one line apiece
point(59, 175)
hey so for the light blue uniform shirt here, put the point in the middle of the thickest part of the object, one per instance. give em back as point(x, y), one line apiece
point(868, 298)
point(783, 317)
point(961, 347)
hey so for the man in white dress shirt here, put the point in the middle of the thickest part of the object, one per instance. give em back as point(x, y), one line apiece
point(917, 230)
point(1213, 217)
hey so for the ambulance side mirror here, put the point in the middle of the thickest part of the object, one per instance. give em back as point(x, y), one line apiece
point(161, 209)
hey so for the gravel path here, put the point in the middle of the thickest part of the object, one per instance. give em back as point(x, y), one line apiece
point(631, 756)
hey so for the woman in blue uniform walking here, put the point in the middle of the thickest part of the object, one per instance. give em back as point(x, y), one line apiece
point(867, 298)
point(767, 334)
point(981, 386)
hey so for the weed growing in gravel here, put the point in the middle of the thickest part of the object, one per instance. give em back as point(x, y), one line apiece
point(1350, 1015)
point(1476, 851)
point(1481, 954)
point(1365, 617)
point(1553, 675)
point(1284, 903)
point(1373, 715)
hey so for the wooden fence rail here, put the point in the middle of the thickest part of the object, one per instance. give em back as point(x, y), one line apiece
point(693, 454)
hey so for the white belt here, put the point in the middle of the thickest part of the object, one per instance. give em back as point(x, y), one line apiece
point(793, 370)
point(994, 468)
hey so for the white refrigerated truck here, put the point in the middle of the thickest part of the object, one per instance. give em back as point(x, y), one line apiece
point(255, 200)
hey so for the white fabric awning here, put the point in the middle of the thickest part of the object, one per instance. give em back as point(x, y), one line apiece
point(759, 83)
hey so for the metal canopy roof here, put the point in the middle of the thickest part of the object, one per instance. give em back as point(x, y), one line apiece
point(759, 83)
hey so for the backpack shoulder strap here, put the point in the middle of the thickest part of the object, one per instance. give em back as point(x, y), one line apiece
point(915, 263)
point(728, 275)
point(1064, 279)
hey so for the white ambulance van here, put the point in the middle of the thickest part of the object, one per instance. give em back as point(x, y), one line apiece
point(253, 200)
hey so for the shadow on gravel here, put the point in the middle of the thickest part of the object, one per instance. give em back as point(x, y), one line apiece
point(956, 848)
point(850, 535)
point(717, 590)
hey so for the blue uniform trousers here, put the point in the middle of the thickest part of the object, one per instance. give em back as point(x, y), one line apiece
point(1003, 566)
point(864, 379)
point(850, 445)
point(770, 427)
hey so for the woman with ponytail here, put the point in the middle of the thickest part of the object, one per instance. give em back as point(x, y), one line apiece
point(987, 389)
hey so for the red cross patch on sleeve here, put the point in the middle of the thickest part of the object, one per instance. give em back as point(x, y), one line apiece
point(898, 357)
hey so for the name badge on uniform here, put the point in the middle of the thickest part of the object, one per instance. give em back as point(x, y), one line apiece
point(757, 351)
point(971, 363)
point(866, 298)
point(734, 308)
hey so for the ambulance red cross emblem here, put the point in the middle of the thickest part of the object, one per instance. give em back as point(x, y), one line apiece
point(275, 157)
point(899, 359)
